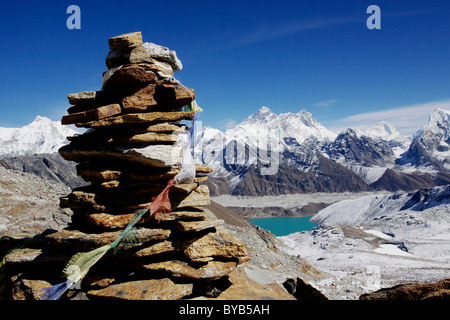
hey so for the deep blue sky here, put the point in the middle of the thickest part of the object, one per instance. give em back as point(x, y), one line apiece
point(240, 55)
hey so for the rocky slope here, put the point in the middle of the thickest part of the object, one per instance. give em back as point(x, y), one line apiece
point(30, 204)
point(49, 166)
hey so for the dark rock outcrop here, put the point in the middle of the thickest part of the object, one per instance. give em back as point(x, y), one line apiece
point(302, 290)
point(426, 291)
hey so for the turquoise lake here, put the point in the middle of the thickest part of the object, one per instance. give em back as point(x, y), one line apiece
point(282, 226)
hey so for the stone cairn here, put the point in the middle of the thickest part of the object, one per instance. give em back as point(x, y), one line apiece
point(130, 153)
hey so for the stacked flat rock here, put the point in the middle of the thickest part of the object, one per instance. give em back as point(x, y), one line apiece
point(129, 154)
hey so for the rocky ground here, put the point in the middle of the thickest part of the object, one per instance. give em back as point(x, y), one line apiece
point(30, 204)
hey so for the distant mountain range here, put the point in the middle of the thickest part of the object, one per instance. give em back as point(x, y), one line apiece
point(314, 159)
point(270, 154)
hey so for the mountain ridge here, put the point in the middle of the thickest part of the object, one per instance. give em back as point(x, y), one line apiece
point(307, 157)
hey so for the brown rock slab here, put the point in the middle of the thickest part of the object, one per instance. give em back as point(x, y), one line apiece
point(198, 197)
point(131, 76)
point(152, 155)
point(110, 221)
point(92, 115)
point(186, 215)
point(24, 289)
point(82, 98)
point(79, 240)
point(95, 175)
point(110, 184)
point(140, 118)
point(244, 288)
point(141, 101)
point(159, 127)
point(180, 269)
point(196, 226)
point(157, 248)
point(125, 42)
point(140, 55)
point(30, 255)
point(158, 289)
point(149, 137)
point(216, 244)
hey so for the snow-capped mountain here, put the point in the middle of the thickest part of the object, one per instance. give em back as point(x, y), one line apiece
point(296, 127)
point(41, 136)
point(430, 147)
point(262, 131)
point(309, 155)
point(381, 130)
point(363, 150)
point(390, 135)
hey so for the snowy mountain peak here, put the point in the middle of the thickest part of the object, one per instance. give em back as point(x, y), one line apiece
point(263, 115)
point(307, 117)
point(265, 110)
point(439, 121)
point(430, 147)
point(40, 136)
point(299, 126)
point(381, 130)
point(438, 126)
point(348, 132)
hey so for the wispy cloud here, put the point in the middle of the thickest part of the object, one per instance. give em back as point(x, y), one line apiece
point(267, 32)
point(325, 103)
point(228, 124)
point(406, 119)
